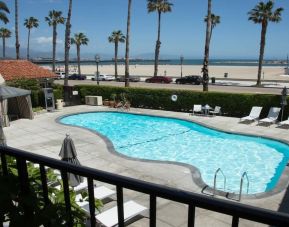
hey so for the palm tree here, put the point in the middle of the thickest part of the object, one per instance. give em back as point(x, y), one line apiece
point(17, 44)
point(4, 34)
point(66, 50)
point(30, 23)
point(116, 37)
point(263, 14)
point(54, 18)
point(127, 45)
point(214, 20)
point(161, 6)
point(205, 69)
point(79, 39)
point(3, 10)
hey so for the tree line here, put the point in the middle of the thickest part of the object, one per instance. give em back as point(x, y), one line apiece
point(262, 13)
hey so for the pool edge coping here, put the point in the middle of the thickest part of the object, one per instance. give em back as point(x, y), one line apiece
point(195, 173)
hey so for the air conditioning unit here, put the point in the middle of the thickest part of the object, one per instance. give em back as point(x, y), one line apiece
point(93, 100)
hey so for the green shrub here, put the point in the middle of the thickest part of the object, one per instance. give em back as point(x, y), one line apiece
point(28, 84)
point(235, 105)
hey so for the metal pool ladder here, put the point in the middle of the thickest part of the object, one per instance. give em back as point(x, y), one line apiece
point(241, 184)
point(215, 180)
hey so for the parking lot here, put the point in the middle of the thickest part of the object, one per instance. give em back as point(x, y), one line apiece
point(219, 86)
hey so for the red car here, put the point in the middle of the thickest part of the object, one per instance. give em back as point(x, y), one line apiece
point(159, 79)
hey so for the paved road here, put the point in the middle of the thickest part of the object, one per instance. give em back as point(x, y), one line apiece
point(217, 88)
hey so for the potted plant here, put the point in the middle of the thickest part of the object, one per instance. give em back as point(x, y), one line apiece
point(106, 102)
point(112, 100)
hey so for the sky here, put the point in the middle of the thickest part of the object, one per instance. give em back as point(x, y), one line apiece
point(182, 30)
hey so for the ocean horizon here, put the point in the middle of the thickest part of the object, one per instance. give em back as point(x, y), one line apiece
point(215, 62)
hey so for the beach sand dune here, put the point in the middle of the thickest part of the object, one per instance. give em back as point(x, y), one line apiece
point(234, 72)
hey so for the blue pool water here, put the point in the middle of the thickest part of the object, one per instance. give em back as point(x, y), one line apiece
point(168, 139)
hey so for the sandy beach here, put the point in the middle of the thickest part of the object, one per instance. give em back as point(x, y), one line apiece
point(234, 72)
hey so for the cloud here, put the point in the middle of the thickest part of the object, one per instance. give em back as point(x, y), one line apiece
point(46, 40)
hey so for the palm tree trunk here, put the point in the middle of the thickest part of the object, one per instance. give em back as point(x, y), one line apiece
point(262, 49)
point(205, 68)
point(3, 39)
point(158, 45)
point(127, 45)
point(54, 47)
point(28, 43)
point(17, 45)
point(78, 58)
point(115, 58)
point(66, 54)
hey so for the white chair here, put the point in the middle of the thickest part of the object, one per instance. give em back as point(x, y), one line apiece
point(216, 111)
point(272, 116)
point(254, 114)
point(100, 193)
point(82, 186)
point(109, 218)
point(284, 123)
point(197, 109)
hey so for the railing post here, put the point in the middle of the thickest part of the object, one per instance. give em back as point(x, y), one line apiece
point(235, 221)
point(4, 164)
point(44, 184)
point(120, 212)
point(191, 215)
point(91, 201)
point(23, 175)
point(67, 198)
point(153, 210)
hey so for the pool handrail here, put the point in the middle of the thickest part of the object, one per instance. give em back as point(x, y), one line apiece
point(215, 180)
point(241, 184)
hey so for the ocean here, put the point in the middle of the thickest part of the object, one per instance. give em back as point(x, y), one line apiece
point(215, 62)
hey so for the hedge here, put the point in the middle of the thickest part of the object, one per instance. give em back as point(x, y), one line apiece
point(235, 105)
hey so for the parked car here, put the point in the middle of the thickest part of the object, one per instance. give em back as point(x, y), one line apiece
point(77, 77)
point(104, 77)
point(60, 75)
point(131, 79)
point(190, 80)
point(159, 79)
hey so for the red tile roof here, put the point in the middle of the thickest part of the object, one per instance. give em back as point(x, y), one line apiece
point(16, 69)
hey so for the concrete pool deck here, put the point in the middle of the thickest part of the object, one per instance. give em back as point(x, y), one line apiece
point(44, 136)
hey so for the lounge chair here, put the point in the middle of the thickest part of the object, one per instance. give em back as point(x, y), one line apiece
point(82, 186)
point(109, 217)
point(216, 111)
point(254, 114)
point(272, 116)
point(284, 123)
point(197, 109)
point(100, 193)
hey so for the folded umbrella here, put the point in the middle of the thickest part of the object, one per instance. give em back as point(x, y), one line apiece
point(68, 154)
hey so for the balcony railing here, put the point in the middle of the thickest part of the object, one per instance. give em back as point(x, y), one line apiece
point(235, 210)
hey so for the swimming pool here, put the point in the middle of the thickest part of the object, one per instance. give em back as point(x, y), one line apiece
point(168, 139)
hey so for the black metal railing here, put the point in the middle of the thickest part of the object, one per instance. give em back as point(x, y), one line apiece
point(193, 200)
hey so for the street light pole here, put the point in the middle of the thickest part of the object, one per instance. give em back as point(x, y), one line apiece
point(97, 60)
point(182, 59)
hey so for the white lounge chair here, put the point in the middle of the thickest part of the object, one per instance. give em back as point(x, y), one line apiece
point(82, 186)
point(100, 193)
point(284, 123)
point(254, 114)
point(109, 217)
point(216, 111)
point(272, 116)
point(197, 109)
